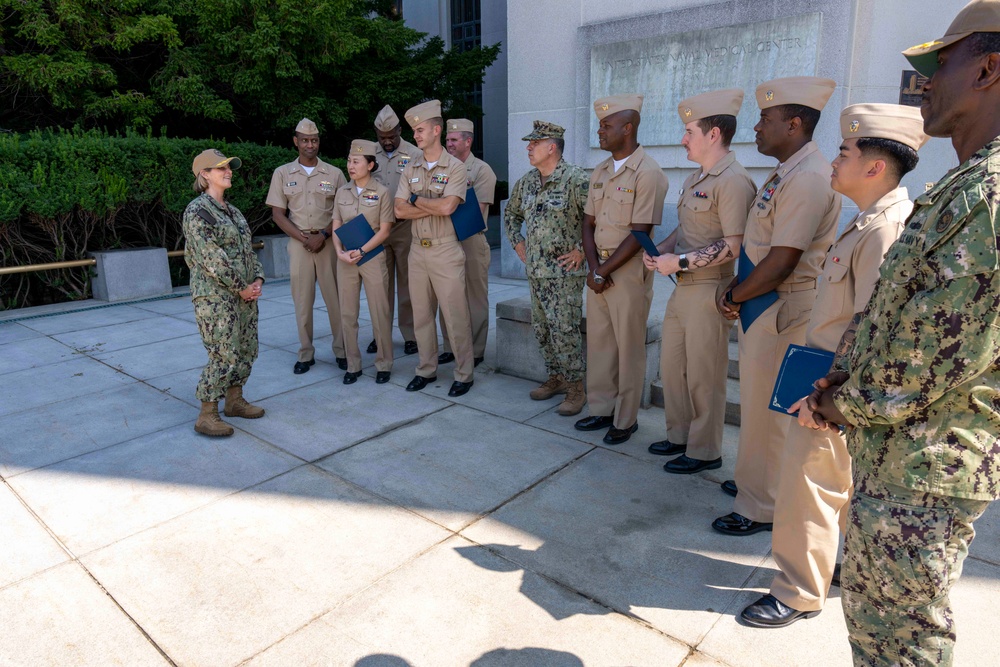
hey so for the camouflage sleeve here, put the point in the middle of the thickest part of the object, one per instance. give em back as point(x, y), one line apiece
point(513, 215)
point(580, 188)
point(946, 337)
point(201, 246)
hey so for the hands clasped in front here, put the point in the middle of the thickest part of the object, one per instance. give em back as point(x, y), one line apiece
point(817, 410)
point(252, 291)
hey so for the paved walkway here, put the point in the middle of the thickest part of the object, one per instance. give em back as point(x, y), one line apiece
point(362, 525)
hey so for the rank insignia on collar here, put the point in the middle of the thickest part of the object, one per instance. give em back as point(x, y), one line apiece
point(769, 95)
point(855, 125)
point(440, 178)
point(700, 195)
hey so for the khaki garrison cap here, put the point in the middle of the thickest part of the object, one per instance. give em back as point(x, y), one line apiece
point(716, 103)
point(212, 159)
point(884, 121)
point(606, 106)
point(977, 16)
point(460, 125)
point(363, 147)
point(423, 112)
point(306, 126)
point(544, 130)
point(386, 119)
point(808, 91)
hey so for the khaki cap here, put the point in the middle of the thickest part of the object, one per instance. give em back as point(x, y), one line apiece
point(808, 91)
point(386, 119)
point(306, 126)
point(544, 130)
point(606, 106)
point(212, 159)
point(977, 16)
point(423, 112)
point(884, 121)
point(363, 147)
point(716, 103)
point(460, 125)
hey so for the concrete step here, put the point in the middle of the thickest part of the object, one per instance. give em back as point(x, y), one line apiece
point(732, 399)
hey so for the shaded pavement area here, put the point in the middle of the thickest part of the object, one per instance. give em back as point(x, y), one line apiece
point(363, 525)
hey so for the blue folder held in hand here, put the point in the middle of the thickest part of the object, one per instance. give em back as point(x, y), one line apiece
point(751, 309)
point(355, 234)
point(799, 369)
point(468, 218)
point(646, 243)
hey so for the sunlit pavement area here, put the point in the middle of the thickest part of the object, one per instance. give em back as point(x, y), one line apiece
point(362, 525)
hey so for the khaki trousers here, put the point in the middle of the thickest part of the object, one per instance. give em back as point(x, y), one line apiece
point(306, 270)
point(810, 514)
point(763, 431)
point(694, 360)
point(477, 286)
point(437, 279)
point(375, 276)
point(397, 254)
point(616, 343)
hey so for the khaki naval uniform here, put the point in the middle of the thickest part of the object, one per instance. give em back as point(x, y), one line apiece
point(616, 318)
point(796, 208)
point(815, 483)
point(477, 260)
point(309, 200)
point(397, 247)
point(437, 266)
point(376, 204)
point(694, 353)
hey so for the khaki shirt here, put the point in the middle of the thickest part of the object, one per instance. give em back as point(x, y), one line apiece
point(308, 198)
point(633, 196)
point(448, 178)
point(796, 208)
point(482, 179)
point(852, 266)
point(391, 168)
point(374, 202)
point(712, 206)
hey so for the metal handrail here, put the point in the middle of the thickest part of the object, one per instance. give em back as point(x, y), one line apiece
point(76, 263)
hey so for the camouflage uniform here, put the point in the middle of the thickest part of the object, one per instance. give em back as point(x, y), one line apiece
point(222, 263)
point(924, 398)
point(554, 216)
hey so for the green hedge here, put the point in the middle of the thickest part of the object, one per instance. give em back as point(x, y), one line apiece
point(65, 193)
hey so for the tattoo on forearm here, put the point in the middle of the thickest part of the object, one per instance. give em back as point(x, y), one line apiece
point(847, 340)
point(710, 254)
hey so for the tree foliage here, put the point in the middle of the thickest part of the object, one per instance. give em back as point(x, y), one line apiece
point(241, 69)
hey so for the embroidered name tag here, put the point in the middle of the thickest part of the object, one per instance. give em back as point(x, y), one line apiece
point(415, 180)
point(598, 186)
point(440, 178)
point(291, 184)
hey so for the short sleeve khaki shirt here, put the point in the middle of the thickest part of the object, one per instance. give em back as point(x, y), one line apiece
point(391, 168)
point(632, 196)
point(482, 179)
point(308, 197)
point(447, 178)
point(373, 202)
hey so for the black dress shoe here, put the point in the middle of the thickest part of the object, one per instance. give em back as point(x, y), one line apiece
point(729, 487)
point(739, 525)
point(835, 581)
point(303, 366)
point(459, 388)
point(351, 378)
point(446, 358)
point(667, 448)
point(372, 347)
point(381, 377)
point(478, 360)
point(770, 612)
point(593, 423)
point(342, 363)
point(410, 347)
point(616, 436)
point(418, 383)
point(685, 465)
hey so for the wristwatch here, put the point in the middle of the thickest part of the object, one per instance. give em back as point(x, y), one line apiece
point(413, 199)
point(325, 233)
point(362, 252)
point(682, 262)
point(599, 279)
point(729, 298)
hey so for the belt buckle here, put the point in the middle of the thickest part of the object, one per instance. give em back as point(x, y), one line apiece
point(426, 243)
point(604, 254)
point(679, 276)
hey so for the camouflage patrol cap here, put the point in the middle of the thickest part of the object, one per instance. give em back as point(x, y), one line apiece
point(977, 16)
point(544, 130)
point(306, 126)
point(213, 159)
point(363, 147)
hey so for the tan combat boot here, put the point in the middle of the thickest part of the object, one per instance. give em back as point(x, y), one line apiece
point(554, 385)
point(575, 399)
point(209, 422)
point(237, 406)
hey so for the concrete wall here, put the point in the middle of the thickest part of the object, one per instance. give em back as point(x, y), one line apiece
point(860, 43)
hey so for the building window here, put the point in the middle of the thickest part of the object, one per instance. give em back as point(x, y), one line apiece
point(466, 33)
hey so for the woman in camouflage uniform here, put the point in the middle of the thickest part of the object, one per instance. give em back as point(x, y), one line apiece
point(226, 280)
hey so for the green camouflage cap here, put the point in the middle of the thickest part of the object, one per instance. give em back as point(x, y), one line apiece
point(544, 130)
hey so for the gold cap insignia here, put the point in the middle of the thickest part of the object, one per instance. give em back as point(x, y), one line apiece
point(416, 118)
point(604, 107)
point(687, 112)
point(769, 95)
point(855, 125)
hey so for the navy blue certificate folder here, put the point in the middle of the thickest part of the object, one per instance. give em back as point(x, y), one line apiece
point(355, 234)
point(751, 309)
point(468, 218)
point(646, 243)
point(799, 369)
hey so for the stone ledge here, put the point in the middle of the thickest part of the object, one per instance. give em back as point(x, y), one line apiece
point(135, 273)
